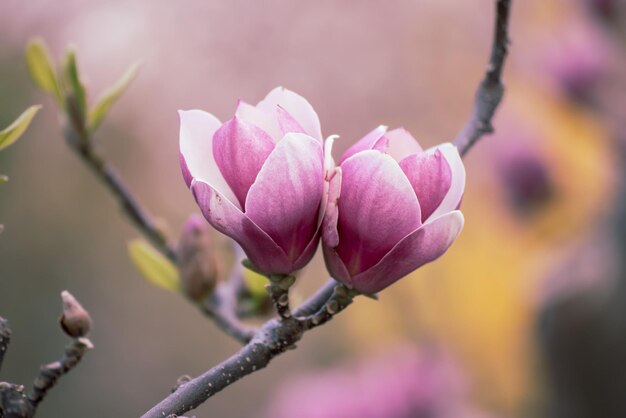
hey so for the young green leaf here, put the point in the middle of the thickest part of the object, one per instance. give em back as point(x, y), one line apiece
point(255, 283)
point(41, 68)
point(71, 78)
point(155, 268)
point(11, 133)
point(104, 104)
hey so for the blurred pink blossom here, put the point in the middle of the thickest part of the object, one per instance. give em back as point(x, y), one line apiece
point(577, 57)
point(404, 383)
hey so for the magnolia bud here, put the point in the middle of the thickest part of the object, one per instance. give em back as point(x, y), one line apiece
point(75, 320)
point(196, 260)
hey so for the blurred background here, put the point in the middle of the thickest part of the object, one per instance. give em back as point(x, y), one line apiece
point(524, 317)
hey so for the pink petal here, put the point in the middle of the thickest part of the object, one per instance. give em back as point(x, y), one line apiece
point(452, 200)
point(430, 177)
point(240, 149)
point(330, 235)
point(373, 140)
point(287, 123)
point(401, 144)
point(264, 119)
point(196, 150)
point(309, 251)
point(329, 171)
point(297, 106)
point(262, 251)
point(420, 247)
point(377, 208)
point(329, 166)
point(335, 266)
point(285, 199)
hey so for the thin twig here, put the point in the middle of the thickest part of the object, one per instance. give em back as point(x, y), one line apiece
point(131, 206)
point(491, 89)
point(14, 402)
point(221, 307)
point(5, 338)
point(50, 373)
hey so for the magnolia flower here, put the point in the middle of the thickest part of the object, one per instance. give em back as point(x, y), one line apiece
point(392, 207)
point(259, 177)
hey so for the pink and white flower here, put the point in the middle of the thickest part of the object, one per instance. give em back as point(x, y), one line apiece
point(392, 207)
point(259, 177)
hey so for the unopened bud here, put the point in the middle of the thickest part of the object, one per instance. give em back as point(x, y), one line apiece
point(197, 262)
point(75, 320)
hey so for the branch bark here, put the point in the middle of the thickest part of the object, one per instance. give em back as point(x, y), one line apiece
point(275, 337)
point(491, 89)
point(14, 401)
point(221, 307)
point(50, 373)
point(5, 338)
point(129, 204)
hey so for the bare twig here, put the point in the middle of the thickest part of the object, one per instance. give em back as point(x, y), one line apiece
point(50, 373)
point(5, 338)
point(491, 89)
point(131, 206)
point(14, 402)
point(221, 307)
point(275, 337)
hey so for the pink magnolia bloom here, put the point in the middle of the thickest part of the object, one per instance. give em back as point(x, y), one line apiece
point(392, 207)
point(259, 177)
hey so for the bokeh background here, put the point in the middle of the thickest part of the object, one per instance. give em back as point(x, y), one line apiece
point(523, 317)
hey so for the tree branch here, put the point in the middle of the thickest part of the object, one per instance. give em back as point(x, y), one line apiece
point(131, 206)
point(491, 89)
point(278, 290)
point(275, 337)
point(50, 373)
point(5, 338)
point(221, 307)
point(75, 322)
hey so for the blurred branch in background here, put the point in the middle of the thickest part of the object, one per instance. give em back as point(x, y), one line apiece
point(5, 339)
point(81, 122)
point(76, 323)
point(491, 89)
point(160, 267)
point(279, 335)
